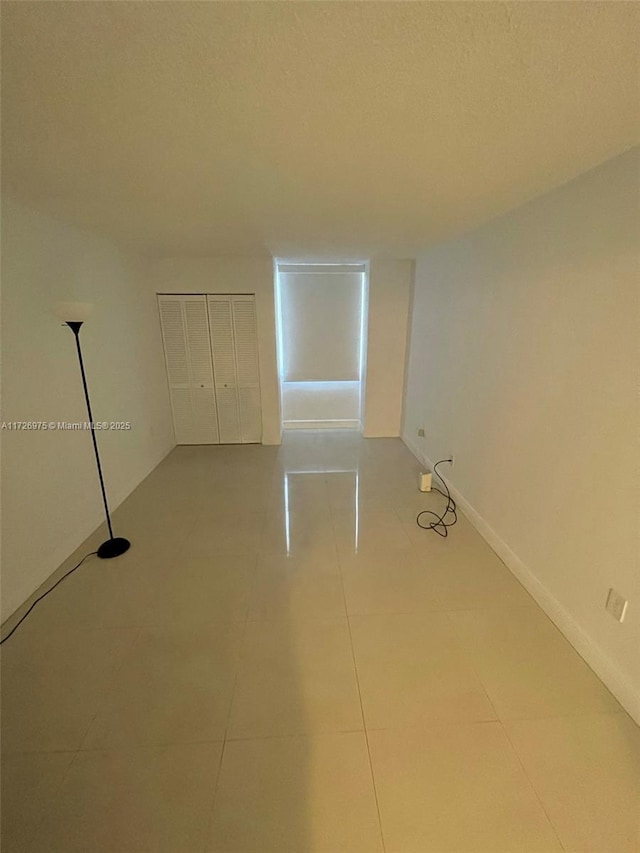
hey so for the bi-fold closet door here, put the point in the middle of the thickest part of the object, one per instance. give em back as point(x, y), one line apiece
point(234, 344)
point(187, 350)
point(211, 353)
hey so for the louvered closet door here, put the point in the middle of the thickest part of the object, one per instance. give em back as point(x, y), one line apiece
point(185, 334)
point(224, 367)
point(247, 372)
point(234, 342)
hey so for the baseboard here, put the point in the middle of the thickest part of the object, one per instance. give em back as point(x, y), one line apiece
point(345, 424)
point(414, 449)
point(605, 668)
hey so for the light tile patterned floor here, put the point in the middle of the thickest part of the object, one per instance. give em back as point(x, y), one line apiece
point(285, 663)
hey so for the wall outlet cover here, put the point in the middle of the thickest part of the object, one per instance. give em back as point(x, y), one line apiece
point(616, 605)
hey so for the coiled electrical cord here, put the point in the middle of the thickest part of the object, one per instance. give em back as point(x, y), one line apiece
point(441, 525)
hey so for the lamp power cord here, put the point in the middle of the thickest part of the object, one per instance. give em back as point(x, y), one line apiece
point(44, 595)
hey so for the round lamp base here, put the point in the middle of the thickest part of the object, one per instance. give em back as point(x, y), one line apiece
point(113, 548)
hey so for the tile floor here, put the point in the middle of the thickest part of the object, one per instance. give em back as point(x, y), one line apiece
point(285, 663)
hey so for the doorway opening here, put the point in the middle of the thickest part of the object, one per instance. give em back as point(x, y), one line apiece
point(321, 319)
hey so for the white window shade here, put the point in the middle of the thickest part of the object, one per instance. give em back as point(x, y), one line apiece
point(321, 320)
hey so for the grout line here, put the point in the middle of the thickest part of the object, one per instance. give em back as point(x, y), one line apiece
point(207, 832)
point(241, 646)
point(75, 753)
point(531, 785)
point(113, 675)
point(292, 735)
point(500, 721)
point(135, 746)
point(364, 722)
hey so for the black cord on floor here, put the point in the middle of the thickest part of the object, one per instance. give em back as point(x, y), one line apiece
point(44, 594)
point(440, 525)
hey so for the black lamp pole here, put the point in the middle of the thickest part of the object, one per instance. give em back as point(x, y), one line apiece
point(115, 545)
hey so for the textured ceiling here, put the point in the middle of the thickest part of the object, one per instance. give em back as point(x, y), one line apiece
point(300, 128)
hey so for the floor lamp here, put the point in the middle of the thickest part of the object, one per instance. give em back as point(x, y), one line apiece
point(73, 314)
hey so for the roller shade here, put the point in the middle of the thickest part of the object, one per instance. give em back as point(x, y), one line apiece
point(321, 318)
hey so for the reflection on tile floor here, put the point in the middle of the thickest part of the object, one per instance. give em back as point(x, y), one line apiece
point(284, 663)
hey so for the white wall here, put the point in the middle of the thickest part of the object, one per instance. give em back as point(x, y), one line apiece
point(50, 492)
point(524, 363)
point(390, 289)
point(229, 274)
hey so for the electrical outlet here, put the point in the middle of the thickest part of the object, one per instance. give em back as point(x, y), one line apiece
point(616, 605)
point(451, 458)
point(420, 432)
